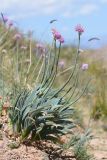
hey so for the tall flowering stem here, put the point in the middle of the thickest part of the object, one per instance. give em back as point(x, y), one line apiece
point(44, 70)
point(69, 102)
point(40, 70)
point(30, 60)
point(57, 36)
point(80, 30)
point(16, 38)
point(47, 72)
point(50, 68)
point(17, 63)
point(53, 76)
point(80, 94)
point(33, 75)
point(72, 88)
point(71, 75)
point(47, 61)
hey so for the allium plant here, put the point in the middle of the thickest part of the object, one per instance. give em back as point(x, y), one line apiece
point(45, 112)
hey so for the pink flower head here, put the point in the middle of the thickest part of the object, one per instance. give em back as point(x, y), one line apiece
point(57, 36)
point(61, 40)
point(84, 66)
point(17, 36)
point(40, 49)
point(61, 64)
point(23, 47)
point(79, 29)
point(5, 19)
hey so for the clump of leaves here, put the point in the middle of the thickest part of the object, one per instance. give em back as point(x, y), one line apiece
point(79, 144)
point(38, 118)
point(81, 153)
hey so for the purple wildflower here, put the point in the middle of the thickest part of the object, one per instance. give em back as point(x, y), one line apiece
point(5, 19)
point(17, 36)
point(41, 50)
point(61, 64)
point(79, 29)
point(57, 36)
point(61, 40)
point(84, 66)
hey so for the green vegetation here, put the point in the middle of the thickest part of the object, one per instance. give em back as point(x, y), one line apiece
point(100, 90)
point(40, 116)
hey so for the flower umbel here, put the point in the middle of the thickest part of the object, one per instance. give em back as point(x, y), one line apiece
point(79, 29)
point(57, 36)
point(61, 40)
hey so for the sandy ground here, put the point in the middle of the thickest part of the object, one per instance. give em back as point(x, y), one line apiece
point(98, 146)
point(99, 142)
point(21, 153)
